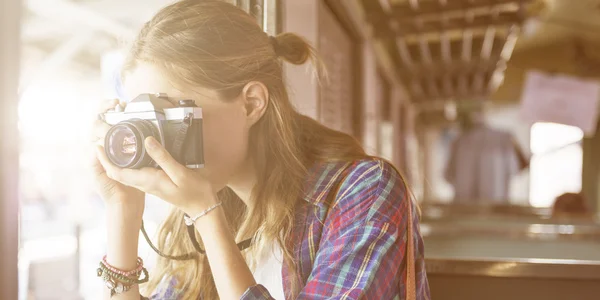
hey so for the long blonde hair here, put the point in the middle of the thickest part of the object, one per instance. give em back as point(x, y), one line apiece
point(216, 45)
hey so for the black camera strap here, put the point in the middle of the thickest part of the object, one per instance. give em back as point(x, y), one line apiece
point(182, 136)
point(243, 245)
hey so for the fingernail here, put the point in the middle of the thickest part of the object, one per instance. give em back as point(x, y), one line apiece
point(152, 143)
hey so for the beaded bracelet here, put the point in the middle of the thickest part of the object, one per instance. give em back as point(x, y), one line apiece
point(103, 272)
point(136, 272)
point(116, 281)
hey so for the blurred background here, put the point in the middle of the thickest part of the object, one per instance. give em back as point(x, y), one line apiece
point(489, 108)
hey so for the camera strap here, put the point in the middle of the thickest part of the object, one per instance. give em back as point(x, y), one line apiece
point(243, 245)
point(182, 136)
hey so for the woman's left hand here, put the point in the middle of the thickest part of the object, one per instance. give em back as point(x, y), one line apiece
point(174, 183)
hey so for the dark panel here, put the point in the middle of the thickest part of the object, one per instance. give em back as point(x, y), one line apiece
point(337, 94)
point(386, 98)
point(455, 287)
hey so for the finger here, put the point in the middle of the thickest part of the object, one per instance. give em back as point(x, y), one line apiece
point(110, 169)
point(96, 166)
point(101, 179)
point(148, 180)
point(106, 105)
point(102, 182)
point(153, 181)
point(161, 156)
point(99, 130)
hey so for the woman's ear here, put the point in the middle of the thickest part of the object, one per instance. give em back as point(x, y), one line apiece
point(255, 96)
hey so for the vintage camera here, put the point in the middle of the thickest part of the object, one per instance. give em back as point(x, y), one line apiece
point(177, 127)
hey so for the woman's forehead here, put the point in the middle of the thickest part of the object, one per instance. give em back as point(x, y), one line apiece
point(148, 79)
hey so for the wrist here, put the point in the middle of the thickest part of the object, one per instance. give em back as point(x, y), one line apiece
point(198, 206)
point(124, 213)
point(122, 232)
point(215, 222)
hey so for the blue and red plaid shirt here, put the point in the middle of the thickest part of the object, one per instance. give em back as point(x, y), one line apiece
point(351, 246)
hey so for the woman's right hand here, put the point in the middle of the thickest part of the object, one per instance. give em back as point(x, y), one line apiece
point(124, 209)
point(115, 194)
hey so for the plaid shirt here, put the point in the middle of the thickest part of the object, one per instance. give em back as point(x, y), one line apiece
point(350, 246)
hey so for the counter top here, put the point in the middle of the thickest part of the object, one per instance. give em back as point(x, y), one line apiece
point(516, 268)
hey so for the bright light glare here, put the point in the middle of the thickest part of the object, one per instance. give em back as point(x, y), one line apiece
point(46, 109)
point(557, 162)
point(548, 136)
point(55, 119)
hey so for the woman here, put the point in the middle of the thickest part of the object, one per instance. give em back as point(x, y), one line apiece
point(325, 220)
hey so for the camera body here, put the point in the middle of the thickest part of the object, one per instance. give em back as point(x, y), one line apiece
point(177, 127)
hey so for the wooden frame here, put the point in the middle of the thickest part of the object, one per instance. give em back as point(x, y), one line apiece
point(267, 12)
point(10, 12)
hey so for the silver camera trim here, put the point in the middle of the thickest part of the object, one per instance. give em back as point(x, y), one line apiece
point(175, 113)
point(148, 110)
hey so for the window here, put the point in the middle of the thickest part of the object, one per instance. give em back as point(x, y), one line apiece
point(556, 163)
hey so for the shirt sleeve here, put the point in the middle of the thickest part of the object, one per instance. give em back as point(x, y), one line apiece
point(362, 250)
point(257, 292)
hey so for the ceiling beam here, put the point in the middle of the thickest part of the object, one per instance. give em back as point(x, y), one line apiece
point(439, 69)
point(404, 51)
point(433, 9)
point(497, 76)
point(406, 28)
point(361, 10)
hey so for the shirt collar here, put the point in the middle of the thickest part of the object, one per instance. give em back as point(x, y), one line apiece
point(321, 178)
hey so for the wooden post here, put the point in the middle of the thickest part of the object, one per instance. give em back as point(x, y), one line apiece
point(590, 175)
point(371, 97)
point(398, 107)
point(9, 156)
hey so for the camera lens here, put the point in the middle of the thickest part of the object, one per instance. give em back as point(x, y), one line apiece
point(124, 143)
point(122, 146)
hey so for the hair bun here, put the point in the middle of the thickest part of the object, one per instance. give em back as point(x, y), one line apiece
point(275, 45)
point(292, 48)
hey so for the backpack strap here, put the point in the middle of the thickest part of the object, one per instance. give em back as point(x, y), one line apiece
point(411, 289)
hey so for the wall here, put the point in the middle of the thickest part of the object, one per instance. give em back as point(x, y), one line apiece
point(301, 17)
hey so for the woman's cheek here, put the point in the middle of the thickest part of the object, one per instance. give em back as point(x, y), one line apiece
point(225, 145)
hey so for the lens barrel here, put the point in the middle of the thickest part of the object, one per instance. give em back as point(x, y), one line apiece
point(124, 143)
